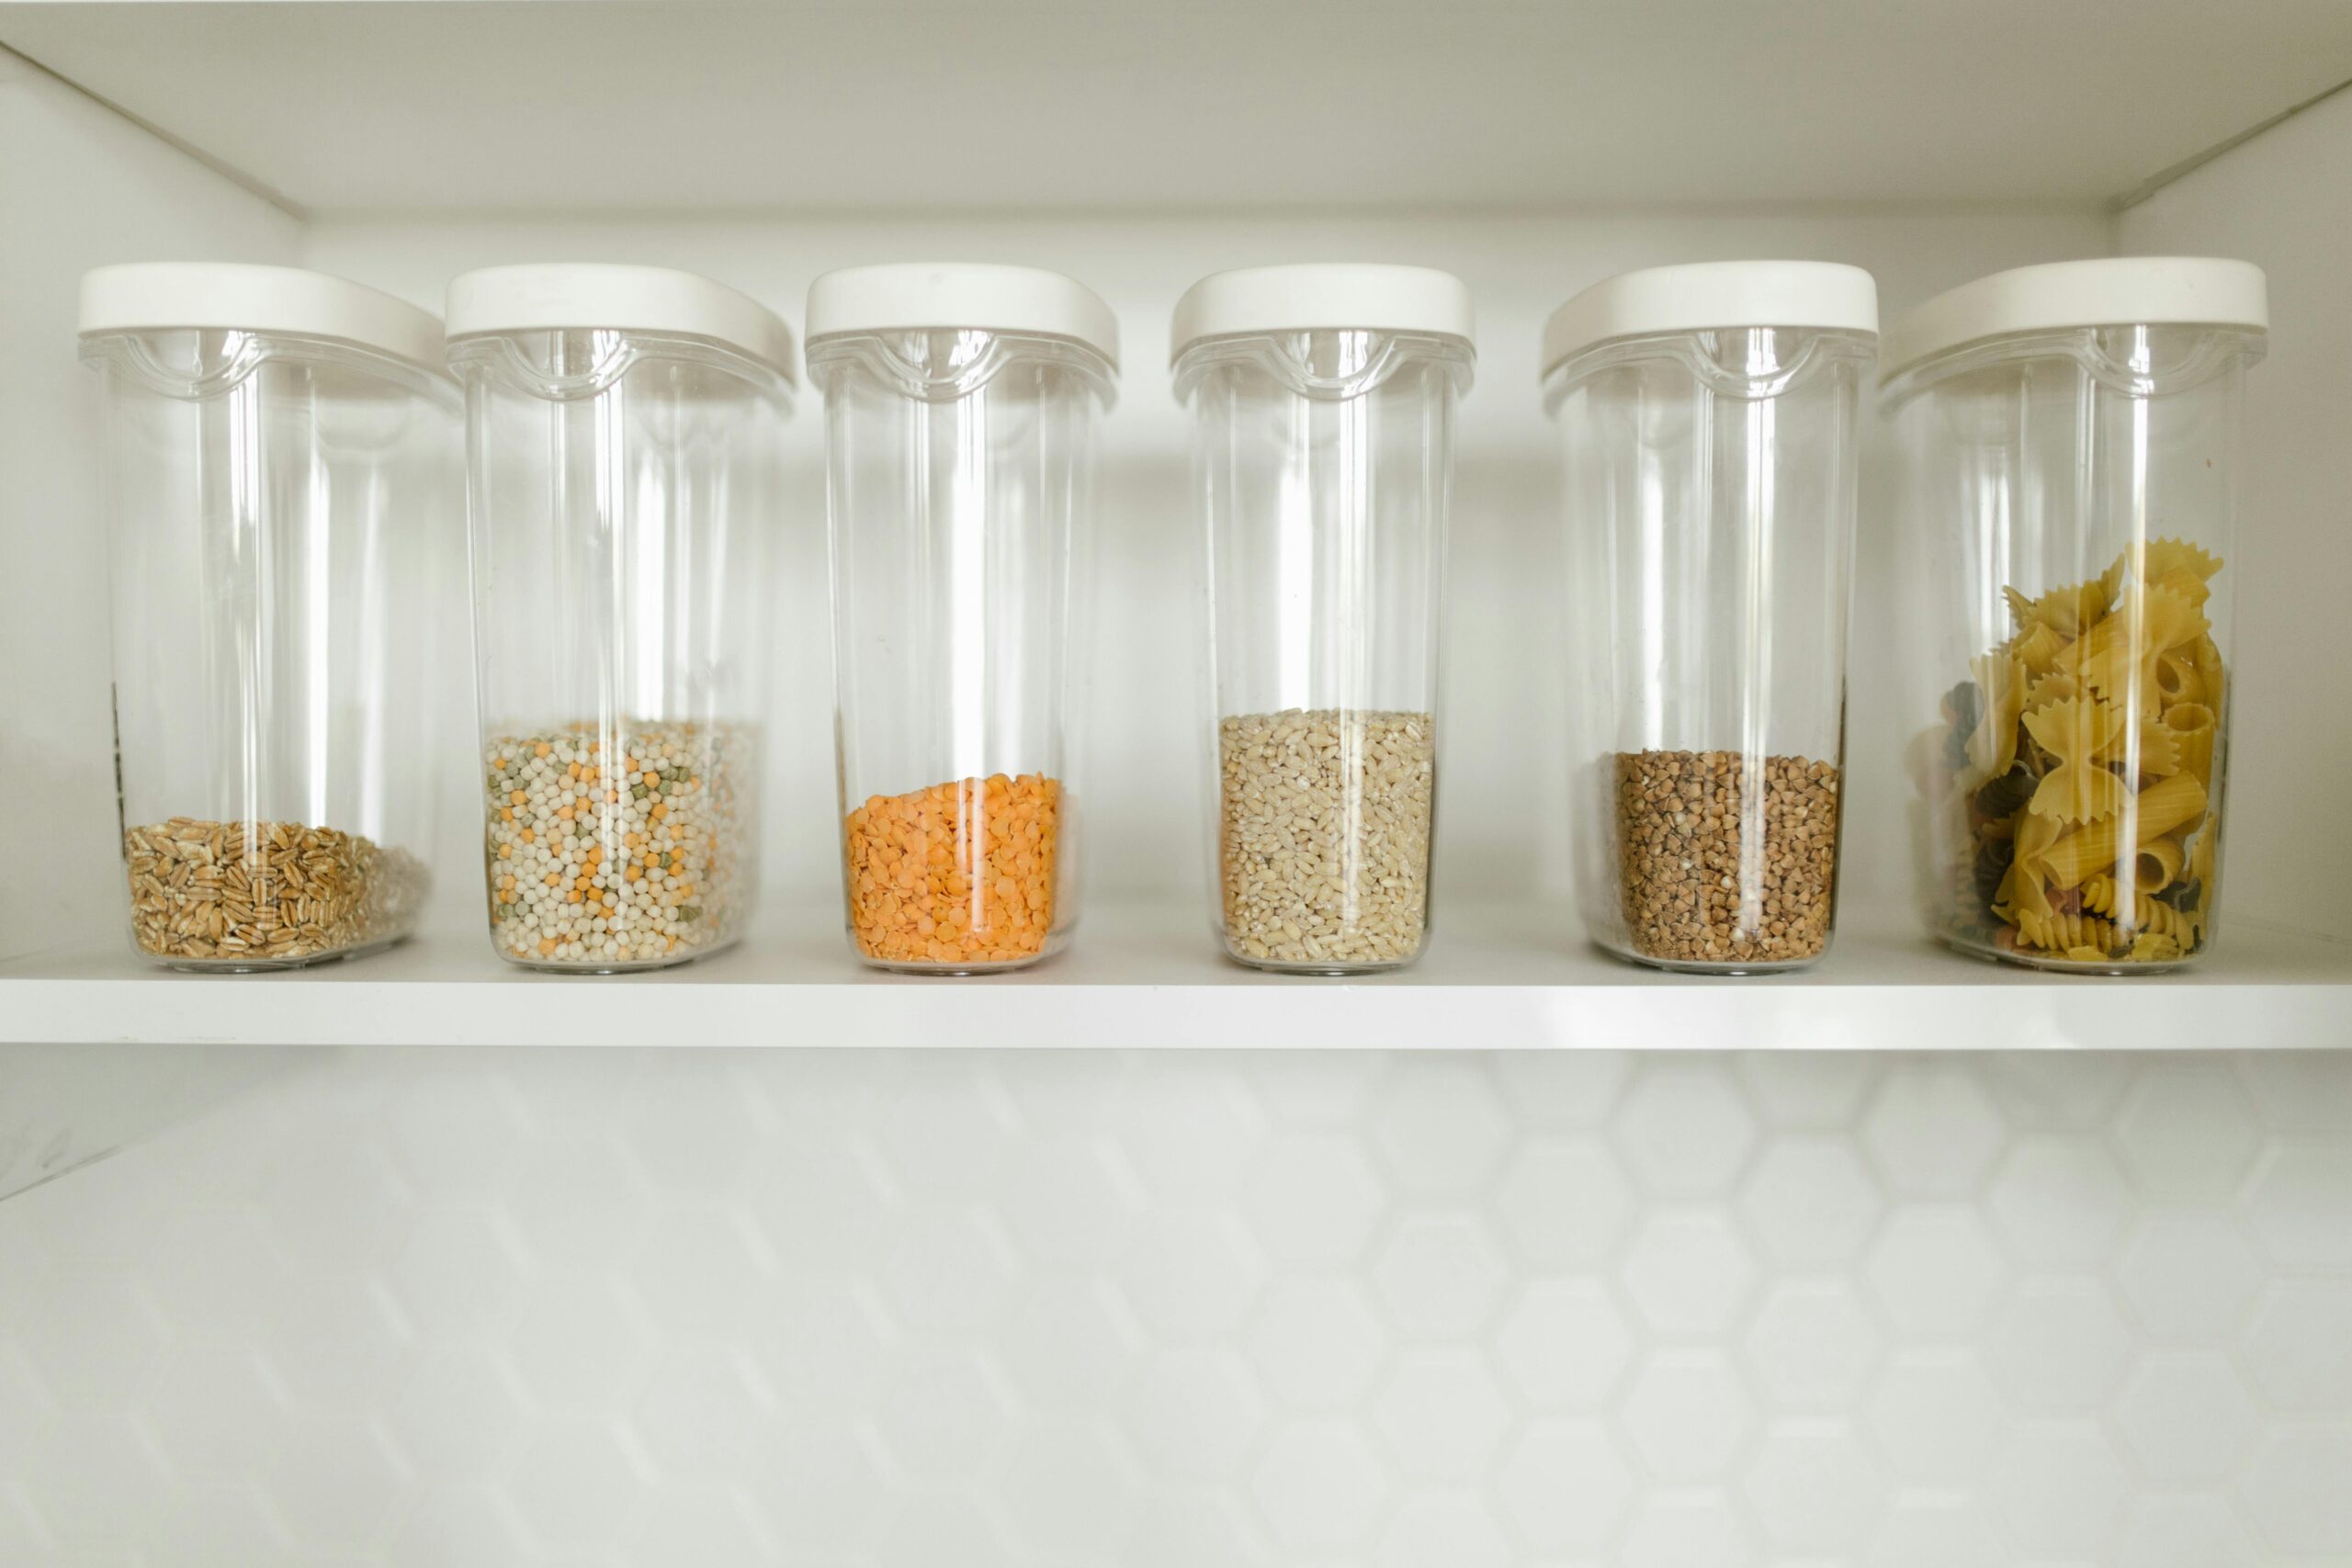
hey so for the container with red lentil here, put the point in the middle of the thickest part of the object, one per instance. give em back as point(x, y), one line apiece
point(1709, 419)
point(624, 428)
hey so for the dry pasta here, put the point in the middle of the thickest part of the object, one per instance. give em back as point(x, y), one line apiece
point(2082, 759)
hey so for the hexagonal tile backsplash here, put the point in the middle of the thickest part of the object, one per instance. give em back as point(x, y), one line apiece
point(679, 1308)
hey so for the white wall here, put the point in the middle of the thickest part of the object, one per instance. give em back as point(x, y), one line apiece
point(1503, 828)
point(79, 186)
point(2283, 200)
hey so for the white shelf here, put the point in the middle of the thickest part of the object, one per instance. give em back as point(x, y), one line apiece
point(1146, 975)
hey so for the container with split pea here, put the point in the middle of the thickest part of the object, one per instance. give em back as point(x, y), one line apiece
point(1323, 402)
point(960, 403)
point(281, 492)
point(623, 430)
point(1708, 418)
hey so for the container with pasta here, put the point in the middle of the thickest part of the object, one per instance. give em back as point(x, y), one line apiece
point(2070, 441)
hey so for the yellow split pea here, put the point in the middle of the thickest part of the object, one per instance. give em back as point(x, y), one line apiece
point(957, 873)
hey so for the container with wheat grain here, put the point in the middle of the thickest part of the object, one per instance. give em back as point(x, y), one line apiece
point(1323, 401)
point(280, 456)
point(1708, 416)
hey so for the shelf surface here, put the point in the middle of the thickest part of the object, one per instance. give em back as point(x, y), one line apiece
point(1091, 104)
point(1147, 975)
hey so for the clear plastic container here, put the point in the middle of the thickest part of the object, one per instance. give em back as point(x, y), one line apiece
point(2069, 437)
point(280, 482)
point(960, 403)
point(1323, 402)
point(624, 443)
point(1708, 414)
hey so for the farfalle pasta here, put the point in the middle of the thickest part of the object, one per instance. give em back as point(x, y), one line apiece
point(2080, 758)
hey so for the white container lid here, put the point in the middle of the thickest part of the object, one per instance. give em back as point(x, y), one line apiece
point(1713, 296)
point(240, 297)
point(2107, 291)
point(1321, 296)
point(942, 296)
point(593, 296)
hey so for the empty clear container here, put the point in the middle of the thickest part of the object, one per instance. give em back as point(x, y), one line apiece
point(2070, 441)
point(1323, 402)
point(624, 442)
point(960, 403)
point(1708, 415)
point(280, 478)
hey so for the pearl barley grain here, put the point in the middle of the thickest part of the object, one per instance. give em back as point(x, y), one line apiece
point(1324, 836)
point(604, 854)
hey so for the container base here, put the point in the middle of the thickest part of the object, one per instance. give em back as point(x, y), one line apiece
point(1321, 971)
point(590, 966)
point(1728, 970)
point(267, 966)
point(952, 971)
point(2112, 969)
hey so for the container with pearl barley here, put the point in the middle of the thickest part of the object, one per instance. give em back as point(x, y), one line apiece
point(1324, 837)
point(613, 851)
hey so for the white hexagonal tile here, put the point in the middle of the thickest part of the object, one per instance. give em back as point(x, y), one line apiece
point(1065, 1491)
point(1318, 1343)
point(940, 1417)
point(2184, 1415)
point(946, 1130)
point(2299, 1345)
point(2298, 1203)
point(1936, 1271)
point(1189, 1127)
point(1931, 1531)
point(1320, 1487)
point(456, 1273)
point(700, 1274)
point(1190, 1276)
point(1065, 1201)
point(2058, 1091)
point(1934, 1129)
point(91, 1482)
point(1194, 1415)
point(685, 1137)
point(1936, 1414)
point(575, 1204)
point(2293, 1486)
point(330, 1201)
point(1683, 1529)
point(2298, 1091)
point(2058, 1489)
point(702, 1414)
point(2190, 1274)
point(1565, 1346)
point(696, 1527)
point(1688, 1273)
point(819, 1202)
point(1183, 1530)
point(1687, 1416)
point(2183, 1530)
point(456, 1413)
point(2059, 1346)
point(1814, 1487)
point(936, 1526)
point(1684, 1130)
point(1810, 1202)
point(1812, 1345)
point(1459, 1531)
point(1565, 1486)
point(2059, 1203)
point(216, 1270)
point(572, 1485)
point(459, 1527)
point(1549, 1091)
point(225, 1526)
point(817, 1489)
point(1564, 1203)
point(949, 1270)
point(92, 1341)
point(25, 1406)
point(1442, 1416)
point(823, 1344)
point(1064, 1342)
point(1440, 1276)
point(115, 1215)
point(1439, 1125)
point(1313, 1199)
point(333, 1486)
point(576, 1345)
point(1057, 1094)
point(211, 1411)
point(2186, 1133)
point(335, 1341)
point(1809, 1091)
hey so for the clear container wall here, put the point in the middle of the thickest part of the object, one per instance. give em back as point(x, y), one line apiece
point(625, 494)
point(2074, 496)
point(278, 510)
point(960, 471)
point(1323, 467)
point(1710, 496)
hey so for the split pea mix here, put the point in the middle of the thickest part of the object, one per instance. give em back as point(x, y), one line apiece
point(605, 856)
